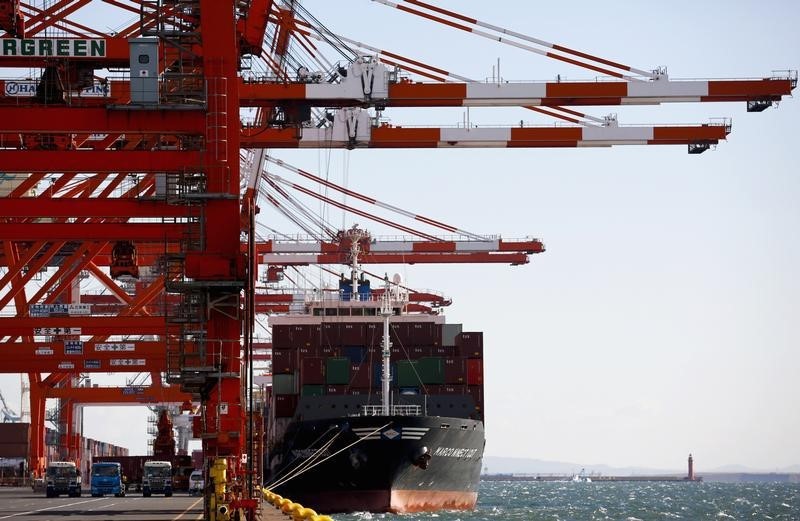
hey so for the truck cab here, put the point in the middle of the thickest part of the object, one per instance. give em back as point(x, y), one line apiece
point(62, 477)
point(107, 479)
point(157, 478)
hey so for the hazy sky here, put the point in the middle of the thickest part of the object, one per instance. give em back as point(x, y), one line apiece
point(662, 319)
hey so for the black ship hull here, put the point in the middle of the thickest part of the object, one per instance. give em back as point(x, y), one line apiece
point(380, 463)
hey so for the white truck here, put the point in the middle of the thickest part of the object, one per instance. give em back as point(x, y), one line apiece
point(62, 477)
point(157, 477)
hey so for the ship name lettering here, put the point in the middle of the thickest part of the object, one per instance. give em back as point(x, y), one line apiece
point(451, 452)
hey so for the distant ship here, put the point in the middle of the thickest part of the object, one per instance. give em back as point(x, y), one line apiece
point(374, 408)
point(581, 478)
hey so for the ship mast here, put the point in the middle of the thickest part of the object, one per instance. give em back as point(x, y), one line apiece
point(386, 312)
point(356, 235)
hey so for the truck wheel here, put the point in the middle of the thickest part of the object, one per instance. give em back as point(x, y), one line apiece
point(145, 494)
point(167, 494)
point(97, 495)
point(49, 494)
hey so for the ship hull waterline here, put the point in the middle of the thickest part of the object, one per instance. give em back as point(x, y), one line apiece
point(393, 464)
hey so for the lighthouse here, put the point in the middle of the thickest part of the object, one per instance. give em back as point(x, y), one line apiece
point(691, 468)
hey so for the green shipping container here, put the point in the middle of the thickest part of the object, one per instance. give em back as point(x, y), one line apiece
point(337, 371)
point(407, 373)
point(431, 370)
point(284, 384)
point(312, 390)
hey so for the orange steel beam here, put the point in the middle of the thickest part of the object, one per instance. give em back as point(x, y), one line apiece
point(51, 14)
point(450, 94)
point(28, 183)
point(405, 247)
point(122, 362)
point(403, 258)
point(36, 462)
point(387, 136)
point(66, 272)
point(121, 297)
point(120, 395)
point(33, 269)
point(507, 251)
point(136, 161)
point(101, 120)
point(89, 325)
point(136, 306)
point(95, 207)
point(152, 232)
point(108, 349)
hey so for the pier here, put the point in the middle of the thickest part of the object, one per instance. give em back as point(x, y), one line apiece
point(22, 503)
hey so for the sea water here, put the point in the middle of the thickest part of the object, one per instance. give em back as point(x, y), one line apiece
point(629, 501)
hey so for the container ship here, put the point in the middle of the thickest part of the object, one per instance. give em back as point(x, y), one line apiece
point(374, 408)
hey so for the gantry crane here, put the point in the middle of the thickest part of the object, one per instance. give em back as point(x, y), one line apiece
point(150, 168)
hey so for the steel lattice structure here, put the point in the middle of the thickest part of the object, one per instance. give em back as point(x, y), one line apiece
point(139, 164)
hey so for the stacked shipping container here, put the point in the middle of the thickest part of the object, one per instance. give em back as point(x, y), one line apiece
point(15, 439)
point(334, 358)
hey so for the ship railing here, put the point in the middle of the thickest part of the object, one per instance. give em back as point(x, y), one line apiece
point(394, 410)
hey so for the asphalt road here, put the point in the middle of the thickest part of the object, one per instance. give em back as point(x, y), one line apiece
point(23, 504)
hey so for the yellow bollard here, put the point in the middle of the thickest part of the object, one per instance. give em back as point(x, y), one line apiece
point(219, 475)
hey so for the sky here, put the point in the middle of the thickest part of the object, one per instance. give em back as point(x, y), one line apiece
point(662, 319)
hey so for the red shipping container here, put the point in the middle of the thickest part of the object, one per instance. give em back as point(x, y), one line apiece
point(422, 333)
point(360, 377)
point(329, 351)
point(431, 389)
point(331, 334)
point(400, 334)
point(474, 371)
point(353, 335)
point(373, 334)
point(281, 337)
point(420, 352)
point(307, 351)
point(335, 389)
point(455, 371)
point(453, 389)
point(312, 371)
point(476, 391)
point(471, 344)
point(284, 361)
point(306, 334)
point(285, 405)
point(447, 351)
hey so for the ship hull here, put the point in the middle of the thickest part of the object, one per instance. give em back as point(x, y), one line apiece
point(381, 464)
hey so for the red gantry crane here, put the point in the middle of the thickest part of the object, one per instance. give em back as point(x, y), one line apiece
point(135, 159)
